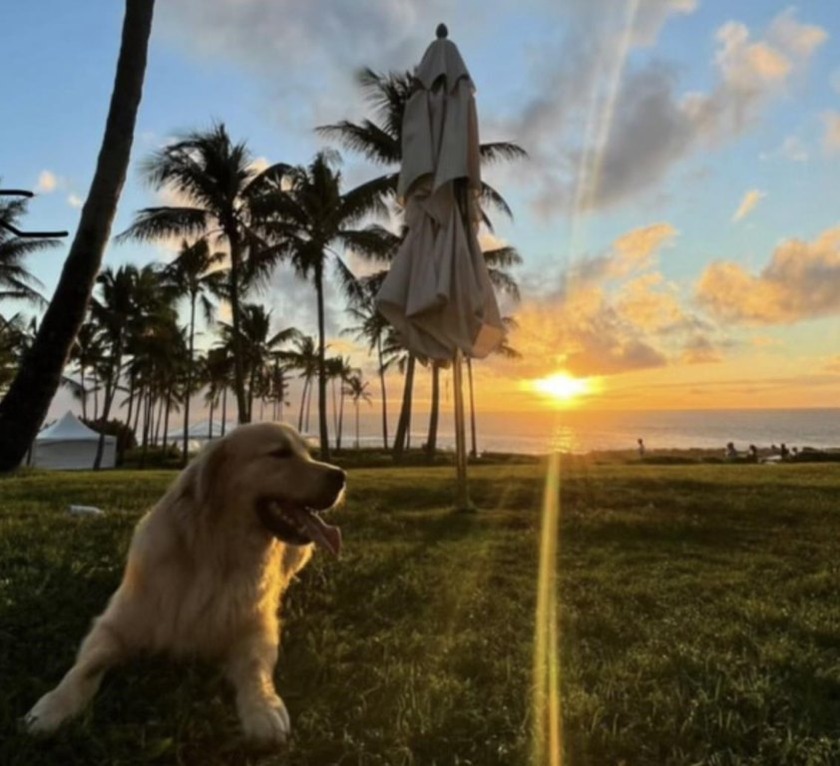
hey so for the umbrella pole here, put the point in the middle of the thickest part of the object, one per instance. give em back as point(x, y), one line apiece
point(462, 497)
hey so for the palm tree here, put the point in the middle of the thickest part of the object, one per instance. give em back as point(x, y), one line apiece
point(257, 344)
point(15, 338)
point(357, 390)
point(111, 312)
point(15, 281)
point(278, 385)
point(395, 353)
point(155, 367)
point(304, 357)
point(218, 181)
point(195, 273)
point(306, 215)
point(130, 302)
point(339, 370)
point(219, 369)
point(372, 327)
point(434, 412)
point(25, 405)
point(86, 352)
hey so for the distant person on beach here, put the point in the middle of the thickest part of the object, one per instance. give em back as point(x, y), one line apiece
point(753, 450)
point(731, 453)
point(641, 444)
point(784, 451)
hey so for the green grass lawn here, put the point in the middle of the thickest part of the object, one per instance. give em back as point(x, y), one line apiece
point(699, 610)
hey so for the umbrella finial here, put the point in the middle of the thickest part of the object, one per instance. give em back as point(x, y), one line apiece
point(441, 31)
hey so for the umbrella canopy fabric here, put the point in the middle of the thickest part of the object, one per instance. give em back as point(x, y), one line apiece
point(437, 293)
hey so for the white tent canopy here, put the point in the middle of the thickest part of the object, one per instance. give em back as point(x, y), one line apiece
point(68, 444)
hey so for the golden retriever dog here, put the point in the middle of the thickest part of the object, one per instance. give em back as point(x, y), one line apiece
point(206, 569)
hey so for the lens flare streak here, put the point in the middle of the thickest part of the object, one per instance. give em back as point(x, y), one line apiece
point(548, 735)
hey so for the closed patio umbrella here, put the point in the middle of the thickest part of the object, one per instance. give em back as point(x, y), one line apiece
point(438, 294)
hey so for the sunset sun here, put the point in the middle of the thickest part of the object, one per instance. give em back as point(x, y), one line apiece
point(563, 389)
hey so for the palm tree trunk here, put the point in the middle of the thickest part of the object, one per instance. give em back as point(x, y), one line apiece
point(95, 397)
point(166, 418)
point(431, 441)
point(302, 404)
point(224, 409)
point(250, 394)
point(111, 385)
point(159, 420)
point(405, 412)
point(474, 450)
point(140, 400)
point(384, 397)
point(238, 361)
point(335, 417)
point(84, 393)
point(340, 418)
point(322, 368)
point(130, 399)
point(308, 405)
point(25, 405)
point(357, 424)
point(190, 361)
point(147, 417)
point(212, 407)
point(281, 396)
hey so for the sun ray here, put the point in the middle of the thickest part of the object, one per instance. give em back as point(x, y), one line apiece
point(547, 719)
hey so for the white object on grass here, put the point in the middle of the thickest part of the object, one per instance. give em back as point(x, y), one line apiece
point(85, 510)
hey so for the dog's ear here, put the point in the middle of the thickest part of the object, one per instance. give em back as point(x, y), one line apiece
point(200, 477)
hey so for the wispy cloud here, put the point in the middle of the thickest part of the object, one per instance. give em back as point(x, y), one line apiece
point(653, 126)
point(748, 204)
point(792, 149)
point(831, 134)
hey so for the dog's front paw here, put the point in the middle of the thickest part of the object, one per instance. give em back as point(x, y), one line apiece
point(266, 724)
point(47, 715)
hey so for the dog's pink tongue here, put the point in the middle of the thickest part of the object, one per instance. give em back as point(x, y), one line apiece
point(323, 534)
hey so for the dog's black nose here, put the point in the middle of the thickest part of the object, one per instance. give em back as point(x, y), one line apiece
point(337, 480)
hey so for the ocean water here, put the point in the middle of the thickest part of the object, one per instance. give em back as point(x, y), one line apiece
point(581, 432)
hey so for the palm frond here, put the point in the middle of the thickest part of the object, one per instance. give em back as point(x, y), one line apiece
point(501, 151)
point(153, 223)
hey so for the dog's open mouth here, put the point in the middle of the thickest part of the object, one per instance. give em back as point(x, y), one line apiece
point(298, 525)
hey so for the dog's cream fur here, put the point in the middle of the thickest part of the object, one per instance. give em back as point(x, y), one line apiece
point(204, 577)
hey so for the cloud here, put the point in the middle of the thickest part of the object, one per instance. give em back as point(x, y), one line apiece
point(795, 38)
point(791, 149)
point(47, 182)
point(831, 134)
point(608, 315)
point(748, 204)
point(631, 252)
point(74, 200)
point(801, 282)
point(308, 52)
point(832, 365)
point(699, 349)
point(596, 142)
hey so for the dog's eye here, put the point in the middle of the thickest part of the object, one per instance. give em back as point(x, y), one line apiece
point(281, 452)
